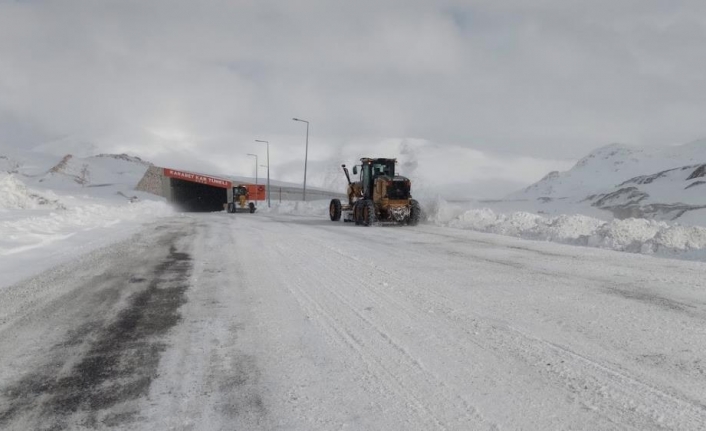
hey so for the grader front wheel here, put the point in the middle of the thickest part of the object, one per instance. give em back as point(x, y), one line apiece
point(334, 210)
point(368, 213)
point(357, 217)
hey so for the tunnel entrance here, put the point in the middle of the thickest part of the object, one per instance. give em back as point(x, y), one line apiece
point(197, 193)
point(195, 197)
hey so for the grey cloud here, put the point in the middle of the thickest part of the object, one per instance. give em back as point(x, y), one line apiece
point(549, 79)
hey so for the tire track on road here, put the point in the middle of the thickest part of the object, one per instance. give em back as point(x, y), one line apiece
point(625, 394)
point(395, 355)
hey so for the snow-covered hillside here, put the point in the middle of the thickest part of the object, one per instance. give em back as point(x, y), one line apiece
point(665, 183)
point(52, 208)
point(114, 172)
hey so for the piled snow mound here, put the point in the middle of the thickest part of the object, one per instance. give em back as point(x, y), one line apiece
point(35, 231)
point(632, 235)
point(15, 195)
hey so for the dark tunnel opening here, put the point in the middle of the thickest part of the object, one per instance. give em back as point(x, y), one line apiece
point(196, 197)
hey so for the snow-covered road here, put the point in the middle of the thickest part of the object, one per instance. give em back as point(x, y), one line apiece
point(267, 321)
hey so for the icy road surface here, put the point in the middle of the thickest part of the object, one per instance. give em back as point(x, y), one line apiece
point(265, 322)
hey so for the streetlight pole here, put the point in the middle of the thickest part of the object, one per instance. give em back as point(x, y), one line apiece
point(254, 155)
point(268, 170)
point(306, 154)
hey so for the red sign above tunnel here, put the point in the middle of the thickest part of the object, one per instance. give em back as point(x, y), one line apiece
point(197, 178)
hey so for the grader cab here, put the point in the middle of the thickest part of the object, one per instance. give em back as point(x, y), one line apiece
point(379, 196)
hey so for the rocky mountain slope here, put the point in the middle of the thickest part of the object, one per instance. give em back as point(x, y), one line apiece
point(665, 183)
point(46, 177)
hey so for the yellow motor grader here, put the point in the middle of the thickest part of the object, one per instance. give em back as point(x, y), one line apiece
point(379, 196)
point(240, 202)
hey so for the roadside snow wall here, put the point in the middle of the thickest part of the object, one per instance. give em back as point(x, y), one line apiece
point(631, 235)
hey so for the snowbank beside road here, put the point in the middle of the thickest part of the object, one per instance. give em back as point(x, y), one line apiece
point(40, 228)
point(15, 195)
point(30, 218)
point(36, 230)
point(630, 235)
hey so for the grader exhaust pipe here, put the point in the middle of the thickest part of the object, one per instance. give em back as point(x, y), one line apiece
point(348, 177)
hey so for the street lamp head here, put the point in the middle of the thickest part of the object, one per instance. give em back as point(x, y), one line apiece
point(259, 140)
point(299, 119)
point(254, 155)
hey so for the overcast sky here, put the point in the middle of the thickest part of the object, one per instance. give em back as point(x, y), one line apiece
point(506, 89)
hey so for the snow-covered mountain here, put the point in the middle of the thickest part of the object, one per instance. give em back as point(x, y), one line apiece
point(665, 183)
point(37, 179)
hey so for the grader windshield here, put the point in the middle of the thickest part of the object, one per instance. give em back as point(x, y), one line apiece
point(380, 167)
point(239, 191)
